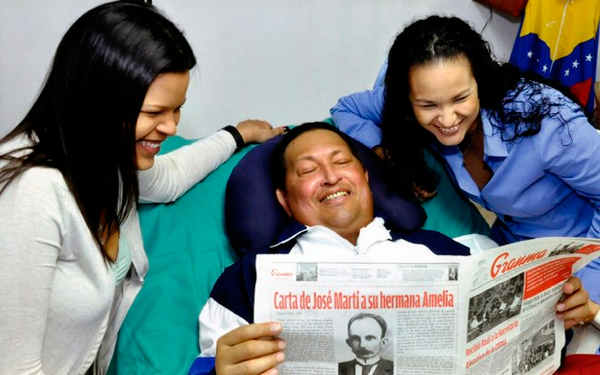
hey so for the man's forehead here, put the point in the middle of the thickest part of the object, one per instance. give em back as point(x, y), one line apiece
point(366, 322)
point(317, 155)
point(315, 143)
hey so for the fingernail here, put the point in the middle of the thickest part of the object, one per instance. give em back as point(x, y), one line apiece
point(276, 327)
point(286, 128)
point(560, 307)
point(282, 344)
point(280, 357)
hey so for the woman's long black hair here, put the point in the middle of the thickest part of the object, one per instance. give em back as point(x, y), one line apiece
point(435, 39)
point(83, 122)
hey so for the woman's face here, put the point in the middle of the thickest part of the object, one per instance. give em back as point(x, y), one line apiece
point(159, 115)
point(444, 98)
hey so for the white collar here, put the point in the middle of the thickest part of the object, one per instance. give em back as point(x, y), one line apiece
point(369, 361)
point(319, 238)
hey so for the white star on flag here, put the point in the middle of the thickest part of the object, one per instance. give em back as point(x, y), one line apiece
point(544, 68)
point(529, 54)
point(588, 57)
point(575, 64)
point(567, 73)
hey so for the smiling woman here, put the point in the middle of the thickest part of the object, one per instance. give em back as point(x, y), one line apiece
point(444, 98)
point(159, 115)
point(518, 146)
point(72, 173)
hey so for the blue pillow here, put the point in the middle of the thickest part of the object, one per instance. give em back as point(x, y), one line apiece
point(254, 218)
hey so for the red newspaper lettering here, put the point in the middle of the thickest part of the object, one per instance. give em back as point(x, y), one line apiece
point(373, 302)
point(322, 301)
point(399, 301)
point(508, 328)
point(444, 299)
point(498, 345)
point(285, 301)
point(546, 275)
point(501, 264)
point(343, 301)
point(304, 301)
point(475, 347)
point(479, 357)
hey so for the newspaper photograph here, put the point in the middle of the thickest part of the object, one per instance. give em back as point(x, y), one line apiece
point(488, 313)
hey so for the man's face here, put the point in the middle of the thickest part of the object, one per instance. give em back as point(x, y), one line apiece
point(365, 338)
point(326, 185)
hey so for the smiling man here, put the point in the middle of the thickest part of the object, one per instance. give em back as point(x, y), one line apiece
point(323, 182)
point(323, 185)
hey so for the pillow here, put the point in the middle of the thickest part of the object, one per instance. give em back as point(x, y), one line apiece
point(254, 219)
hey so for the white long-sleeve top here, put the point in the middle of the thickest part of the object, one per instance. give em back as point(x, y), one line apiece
point(59, 306)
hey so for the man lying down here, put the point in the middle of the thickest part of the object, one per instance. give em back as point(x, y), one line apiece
point(323, 185)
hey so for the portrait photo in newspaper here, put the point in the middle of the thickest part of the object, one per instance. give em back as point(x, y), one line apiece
point(368, 339)
point(452, 273)
point(495, 306)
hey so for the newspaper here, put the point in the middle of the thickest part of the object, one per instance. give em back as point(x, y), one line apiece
point(489, 313)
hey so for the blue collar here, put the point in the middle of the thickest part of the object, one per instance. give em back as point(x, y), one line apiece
point(494, 146)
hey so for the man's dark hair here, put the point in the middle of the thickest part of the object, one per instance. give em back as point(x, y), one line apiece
point(377, 318)
point(278, 164)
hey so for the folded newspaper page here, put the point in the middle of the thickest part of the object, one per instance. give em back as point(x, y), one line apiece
point(489, 313)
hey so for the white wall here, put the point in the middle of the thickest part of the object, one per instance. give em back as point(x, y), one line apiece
point(284, 61)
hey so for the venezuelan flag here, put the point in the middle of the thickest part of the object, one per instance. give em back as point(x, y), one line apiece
point(558, 39)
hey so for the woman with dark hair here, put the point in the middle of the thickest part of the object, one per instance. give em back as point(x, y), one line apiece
point(517, 146)
point(71, 175)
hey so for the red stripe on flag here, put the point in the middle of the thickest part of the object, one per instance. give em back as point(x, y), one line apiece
point(582, 91)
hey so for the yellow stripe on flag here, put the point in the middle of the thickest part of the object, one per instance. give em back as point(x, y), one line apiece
point(562, 24)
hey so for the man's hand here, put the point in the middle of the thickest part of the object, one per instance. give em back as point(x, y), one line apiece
point(250, 350)
point(258, 131)
point(575, 308)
